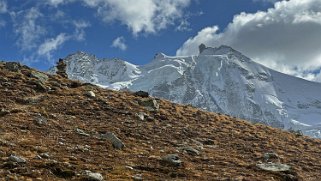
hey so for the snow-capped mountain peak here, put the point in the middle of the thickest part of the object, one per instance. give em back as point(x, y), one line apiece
point(219, 79)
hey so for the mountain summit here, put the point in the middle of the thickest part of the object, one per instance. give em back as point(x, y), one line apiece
point(219, 79)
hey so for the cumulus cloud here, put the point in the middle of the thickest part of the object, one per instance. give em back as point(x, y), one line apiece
point(3, 6)
point(140, 16)
point(147, 16)
point(27, 28)
point(52, 44)
point(285, 37)
point(119, 42)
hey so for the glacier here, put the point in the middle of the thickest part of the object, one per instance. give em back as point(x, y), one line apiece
point(219, 79)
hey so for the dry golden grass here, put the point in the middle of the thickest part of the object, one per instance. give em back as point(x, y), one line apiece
point(229, 147)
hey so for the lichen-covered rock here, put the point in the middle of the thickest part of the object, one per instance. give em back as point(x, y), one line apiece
point(13, 66)
point(172, 159)
point(274, 167)
point(190, 150)
point(117, 143)
point(40, 76)
point(16, 159)
point(91, 176)
point(149, 103)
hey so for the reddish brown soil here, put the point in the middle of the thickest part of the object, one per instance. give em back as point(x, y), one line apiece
point(231, 148)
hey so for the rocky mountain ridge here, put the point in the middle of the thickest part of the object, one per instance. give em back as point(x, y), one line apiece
point(53, 128)
point(219, 80)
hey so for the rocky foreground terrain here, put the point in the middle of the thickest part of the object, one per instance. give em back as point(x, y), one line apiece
point(53, 128)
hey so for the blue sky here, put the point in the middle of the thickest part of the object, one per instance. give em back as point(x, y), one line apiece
point(37, 33)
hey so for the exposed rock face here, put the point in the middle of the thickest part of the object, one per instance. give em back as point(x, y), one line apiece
point(13, 66)
point(201, 48)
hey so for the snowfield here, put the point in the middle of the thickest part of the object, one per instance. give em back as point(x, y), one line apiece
point(219, 80)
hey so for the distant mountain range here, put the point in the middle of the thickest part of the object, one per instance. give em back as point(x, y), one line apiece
point(218, 79)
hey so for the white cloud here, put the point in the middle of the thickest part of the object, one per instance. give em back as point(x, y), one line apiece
point(184, 26)
point(55, 2)
point(27, 28)
point(286, 37)
point(52, 44)
point(140, 16)
point(147, 16)
point(119, 42)
point(3, 6)
point(80, 26)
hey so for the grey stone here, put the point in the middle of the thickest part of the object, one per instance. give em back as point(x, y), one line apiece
point(16, 159)
point(149, 103)
point(137, 177)
point(90, 94)
point(40, 76)
point(117, 143)
point(40, 120)
point(44, 155)
point(141, 116)
point(82, 148)
point(40, 86)
point(93, 176)
point(13, 66)
point(271, 157)
point(190, 150)
point(81, 132)
point(172, 159)
point(274, 167)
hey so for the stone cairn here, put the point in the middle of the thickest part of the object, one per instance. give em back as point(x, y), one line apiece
point(61, 68)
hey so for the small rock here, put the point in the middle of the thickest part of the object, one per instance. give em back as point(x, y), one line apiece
point(38, 157)
point(40, 120)
point(90, 94)
point(271, 157)
point(44, 155)
point(190, 151)
point(117, 143)
point(141, 115)
point(137, 177)
point(129, 167)
point(40, 76)
point(208, 142)
point(296, 132)
point(150, 104)
point(13, 66)
point(91, 176)
point(82, 148)
point(81, 132)
point(274, 167)
point(141, 94)
point(4, 112)
point(40, 86)
point(172, 159)
point(17, 159)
